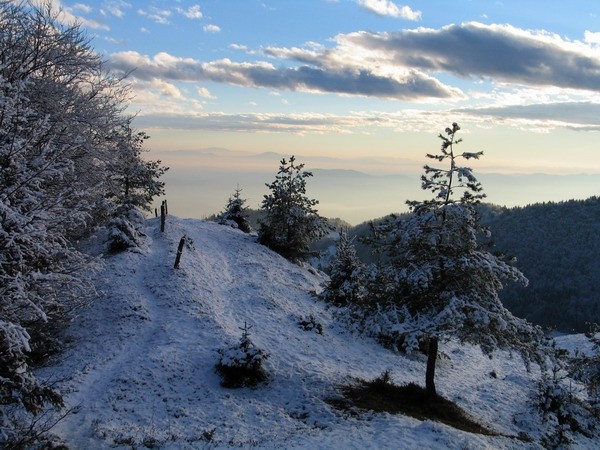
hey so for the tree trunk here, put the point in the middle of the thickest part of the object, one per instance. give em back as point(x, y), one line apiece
point(430, 374)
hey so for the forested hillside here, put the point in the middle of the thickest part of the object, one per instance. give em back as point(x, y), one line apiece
point(557, 246)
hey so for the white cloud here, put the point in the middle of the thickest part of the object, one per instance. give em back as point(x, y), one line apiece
point(205, 93)
point(68, 14)
point(211, 28)
point(193, 12)
point(404, 65)
point(86, 9)
point(117, 7)
point(348, 80)
point(238, 47)
point(389, 8)
point(299, 123)
point(113, 40)
point(160, 16)
point(592, 37)
point(165, 88)
point(155, 97)
point(542, 117)
point(498, 52)
point(534, 118)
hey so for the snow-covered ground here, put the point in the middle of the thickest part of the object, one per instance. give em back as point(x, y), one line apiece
point(139, 370)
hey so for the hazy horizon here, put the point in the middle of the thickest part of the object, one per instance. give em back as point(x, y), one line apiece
point(199, 183)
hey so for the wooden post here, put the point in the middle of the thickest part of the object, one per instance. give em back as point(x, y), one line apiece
point(162, 218)
point(179, 252)
point(166, 209)
point(155, 212)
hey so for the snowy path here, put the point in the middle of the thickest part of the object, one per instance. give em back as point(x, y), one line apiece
point(141, 365)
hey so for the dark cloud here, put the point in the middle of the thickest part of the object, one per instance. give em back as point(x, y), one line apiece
point(349, 80)
point(500, 52)
point(401, 65)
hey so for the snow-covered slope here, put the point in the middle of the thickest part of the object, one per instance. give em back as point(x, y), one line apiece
point(139, 370)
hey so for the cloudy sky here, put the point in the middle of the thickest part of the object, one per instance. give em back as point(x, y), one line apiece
point(359, 84)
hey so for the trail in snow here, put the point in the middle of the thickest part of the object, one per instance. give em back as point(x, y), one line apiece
point(140, 367)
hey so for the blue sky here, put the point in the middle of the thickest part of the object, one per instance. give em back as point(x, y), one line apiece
point(359, 84)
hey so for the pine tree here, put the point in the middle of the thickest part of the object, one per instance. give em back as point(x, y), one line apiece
point(241, 365)
point(291, 221)
point(347, 277)
point(131, 186)
point(447, 285)
point(235, 212)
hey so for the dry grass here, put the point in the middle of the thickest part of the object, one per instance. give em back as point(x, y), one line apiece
point(380, 395)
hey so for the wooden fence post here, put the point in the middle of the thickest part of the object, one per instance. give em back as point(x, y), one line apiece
point(179, 252)
point(162, 218)
point(166, 209)
point(155, 212)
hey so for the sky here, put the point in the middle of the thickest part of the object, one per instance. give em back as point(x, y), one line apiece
point(362, 85)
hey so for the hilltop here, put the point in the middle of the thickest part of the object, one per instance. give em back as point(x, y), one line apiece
point(139, 367)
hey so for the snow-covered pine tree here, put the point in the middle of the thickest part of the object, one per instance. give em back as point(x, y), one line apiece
point(347, 277)
point(291, 221)
point(131, 186)
point(133, 181)
point(236, 212)
point(241, 365)
point(447, 285)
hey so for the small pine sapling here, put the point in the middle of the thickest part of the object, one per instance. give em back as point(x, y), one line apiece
point(124, 230)
point(589, 371)
point(242, 365)
point(236, 213)
point(563, 411)
point(567, 395)
point(347, 275)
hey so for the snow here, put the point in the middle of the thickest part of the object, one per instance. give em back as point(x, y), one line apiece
point(139, 369)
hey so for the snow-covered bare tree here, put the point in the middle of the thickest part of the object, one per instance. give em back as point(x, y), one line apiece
point(291, 221)
point(59, 113)
point(446, 283)
point(235, 213)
